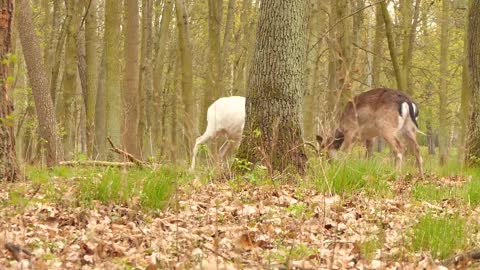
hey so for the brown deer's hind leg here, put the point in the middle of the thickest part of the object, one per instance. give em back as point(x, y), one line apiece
point(410, 135)
point(369, 146)
point(397, 148)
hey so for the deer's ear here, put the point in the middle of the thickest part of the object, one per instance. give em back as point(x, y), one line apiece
point(319, 139)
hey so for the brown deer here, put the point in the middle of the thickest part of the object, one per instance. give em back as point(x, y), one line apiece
point(383, 112)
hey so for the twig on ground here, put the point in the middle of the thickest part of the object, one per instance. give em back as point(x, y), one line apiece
point(17, 250)
point(126, 155)
point(462, 259)
point(97, 163)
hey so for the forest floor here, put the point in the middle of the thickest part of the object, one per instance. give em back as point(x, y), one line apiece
point(62, 220)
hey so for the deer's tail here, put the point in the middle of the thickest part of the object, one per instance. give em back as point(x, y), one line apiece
point(413, 111)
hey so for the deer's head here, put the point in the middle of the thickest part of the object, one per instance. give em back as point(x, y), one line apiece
point(330, 144)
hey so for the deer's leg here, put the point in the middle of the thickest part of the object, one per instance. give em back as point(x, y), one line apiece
point(347, 144)
point(397, 148)
point(410, 136)
point(200, 140)
point(369, 146)
point(224, 149)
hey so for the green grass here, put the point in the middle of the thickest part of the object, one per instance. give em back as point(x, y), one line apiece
point(434, 193)
point(369, 247)
point(469, 193)
point(442, 236)
point(151, 188)
point(352, 175)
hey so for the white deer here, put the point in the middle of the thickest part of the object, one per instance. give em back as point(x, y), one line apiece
point(225, 117)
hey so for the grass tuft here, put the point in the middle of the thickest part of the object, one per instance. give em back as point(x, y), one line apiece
point(442, 236)
point(352, 175)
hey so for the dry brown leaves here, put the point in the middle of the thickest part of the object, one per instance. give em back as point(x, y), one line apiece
point(215, 227)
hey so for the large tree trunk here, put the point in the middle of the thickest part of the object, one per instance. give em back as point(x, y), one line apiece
point(113, 11)
point(443, 109)
point(38, 80)
point(92, 69)
point(473, 56)
point(130, 85)
point(185, 51)
point(9, 170)
point(273, 133)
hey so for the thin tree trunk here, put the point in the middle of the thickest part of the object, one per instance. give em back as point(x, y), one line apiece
point(9, 170)
point(272, 134)
point(226, 48)
point(146, 79)
point(158, 71)
point(130, 85)
point(185, 51)
point(58, 57)
point(38, 81)
point(391, 46)
point(113, 11)
point(70, 81)
point(311, 70)
point(92, 69)
point(443, 109)
point(100, 149)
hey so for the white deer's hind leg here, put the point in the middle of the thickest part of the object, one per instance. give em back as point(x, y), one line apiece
point(224, 149)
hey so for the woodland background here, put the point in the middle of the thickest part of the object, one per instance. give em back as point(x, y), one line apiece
point(144, 72)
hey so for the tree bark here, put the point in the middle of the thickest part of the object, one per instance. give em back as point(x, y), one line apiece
point(473, 57)
point(38, 81)
point(443, 109)
point(146, 79)
point(273, 133)
point(185, 51)
point(100, 149)
point(92, 70)
point(58, 57)
point(158, 70)
point(391, 46)
point(130, 85)
point(70, 81)
point(113, 11)
point(9, 170)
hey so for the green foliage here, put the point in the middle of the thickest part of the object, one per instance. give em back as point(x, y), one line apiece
point(351, 175)
point(471, 192)
point(154, 188)
point(299, 210)
point(442, 236)
point(433, 193)
point(151, 188)
point(468, 193)
point(285, 254)
point(160, 185)
point(368, 248)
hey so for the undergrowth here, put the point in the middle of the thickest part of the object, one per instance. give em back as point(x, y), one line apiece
point(441, 236)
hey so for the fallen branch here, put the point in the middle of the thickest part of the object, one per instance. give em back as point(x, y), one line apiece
point(126, 155)
point(462, 259)
point(97, 163)
point(17, 250)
